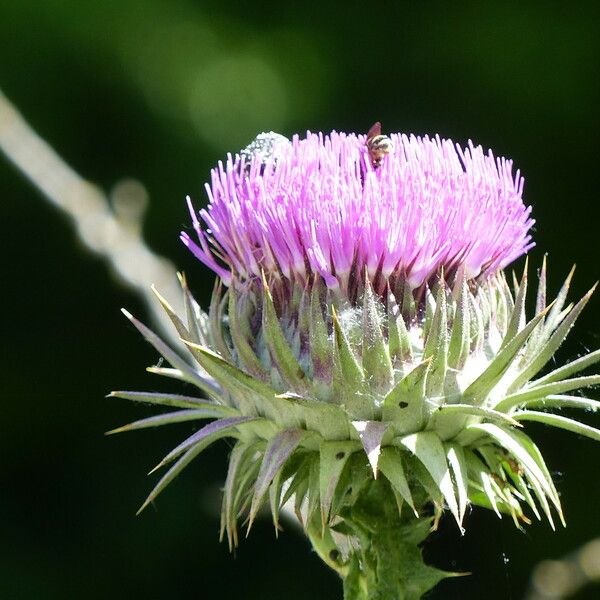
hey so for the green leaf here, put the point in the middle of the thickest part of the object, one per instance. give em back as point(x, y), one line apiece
point(245, 485)
point(501, 307)
point(542, 500)
point(570, 369)
point(486, 309)
point(226, 373)
point(328, 420)
point(477, 333)
point(409, 306)
point(560, 422)
point(376, 361)
point(521, 487)
point(404, 404)
point(564, 402)
point(206, 436)
point(371, 434)
point(540, 304)
point(314, 488)
point(536, 392)
point(278, 450)
point(460, 340)
point(436, 346)
point(323, 543)
point(498, 485)
point(321, 351)
point(301, 308)
point(333, 457)
point(281, 353)
point(534, 451)
point(549, 348)
point(430, 309)
point(482, 386)
point(239, 384)
point(399, 342)
point(346, 359)
point(229, 516)
point(168, 372)
point(348, 382)
point(301, 475)
point(239, 337)
point(508, 440)
point(517, 319)
point(174, 400)
point(419, 473)
point(479, 498)
point(300, 495)
point(506, 293)
point(428, 448)
point(171, 474)
point(479, 472)
point(197, 319)
point(554, 316)
point(182, 330)
point(178, 416)
point(202, 439)
point(356, 477)
point(240, 455)
point(354, 586)
point(480, 411)
point(215, 315)
point(390, 464)
point(458, 465)
point(206, 384)
point(276, 488)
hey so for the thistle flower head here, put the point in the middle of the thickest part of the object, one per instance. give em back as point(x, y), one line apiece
point(367, 353)
point(318, 205)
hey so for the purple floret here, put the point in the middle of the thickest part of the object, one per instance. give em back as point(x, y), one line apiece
point(318, 205)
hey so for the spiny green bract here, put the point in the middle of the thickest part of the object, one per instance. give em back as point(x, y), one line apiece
point(429, 393)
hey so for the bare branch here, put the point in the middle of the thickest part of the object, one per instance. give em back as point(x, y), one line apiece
point(114, 234)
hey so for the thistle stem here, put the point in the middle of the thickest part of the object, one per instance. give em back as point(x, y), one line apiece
point(385, 562)
point(324, 545)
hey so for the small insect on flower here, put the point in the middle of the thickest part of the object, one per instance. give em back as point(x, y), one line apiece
point(378, 145)
point(264, 148)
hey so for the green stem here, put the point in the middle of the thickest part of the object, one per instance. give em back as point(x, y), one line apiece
point(385, 562)
point(325, 546)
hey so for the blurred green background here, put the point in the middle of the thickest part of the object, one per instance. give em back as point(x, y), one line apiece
point(159, 91)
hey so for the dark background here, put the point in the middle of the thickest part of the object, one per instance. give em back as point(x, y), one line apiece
point(160, 91)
